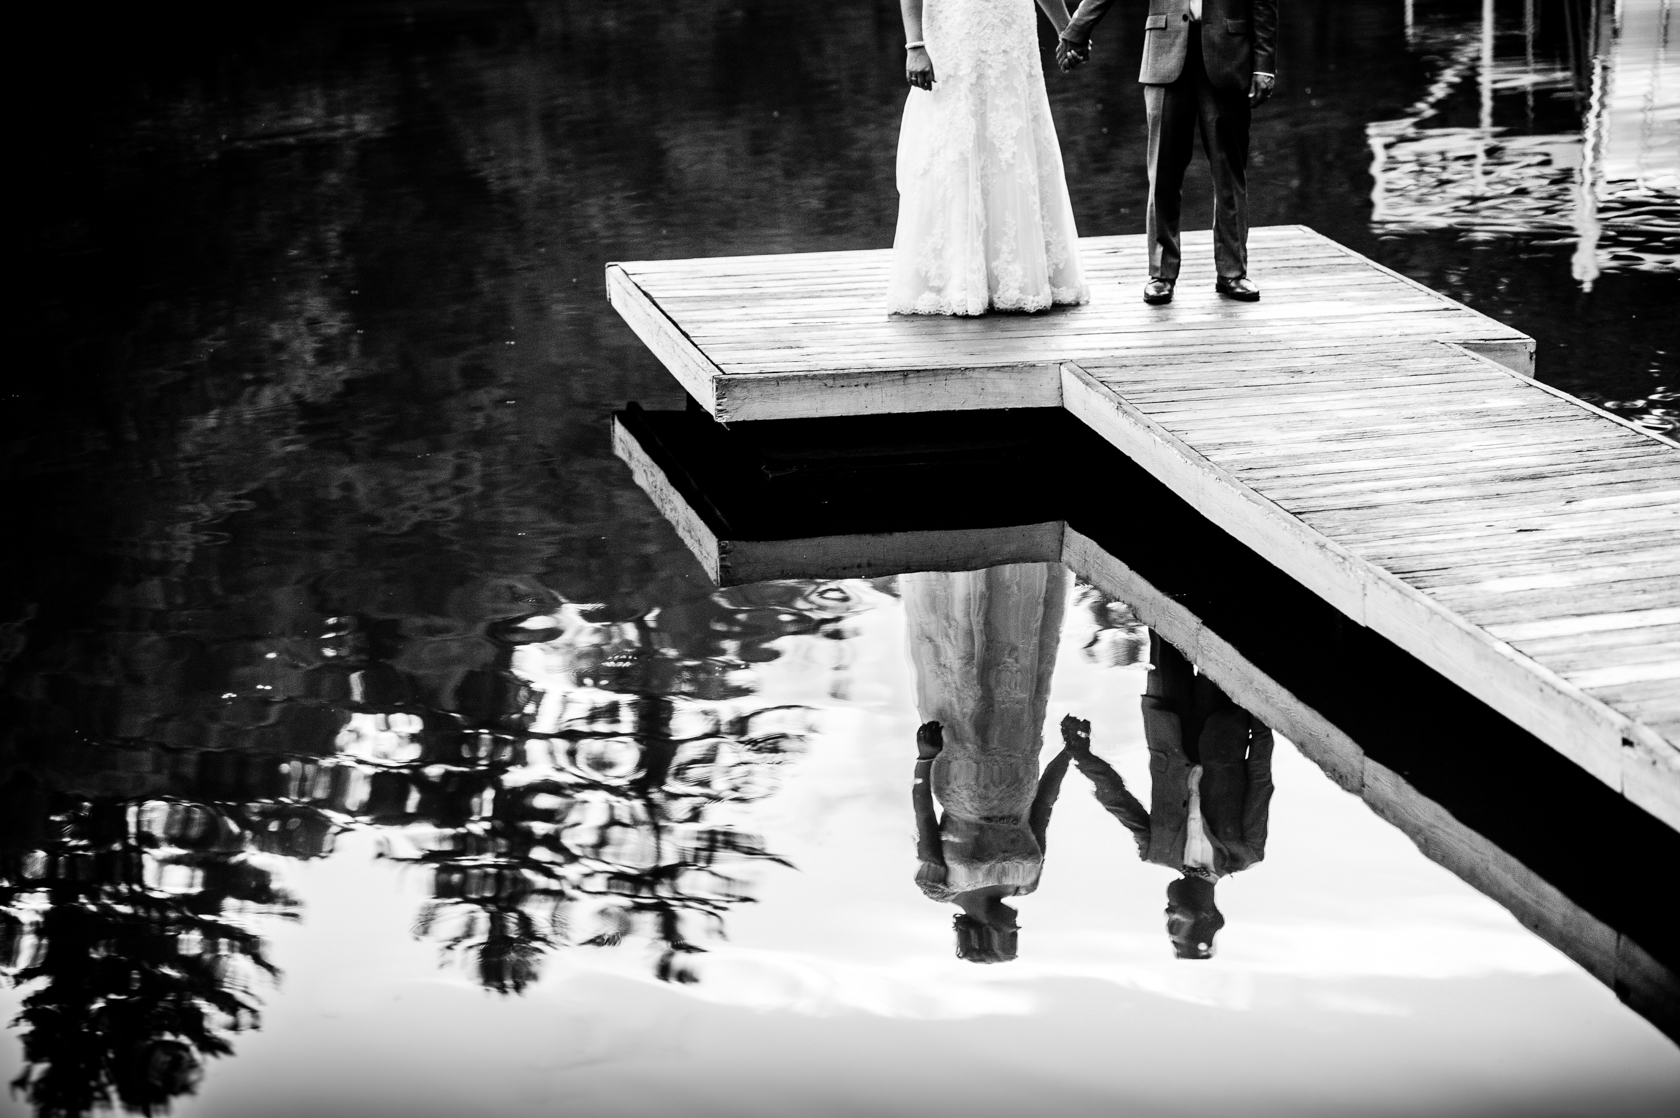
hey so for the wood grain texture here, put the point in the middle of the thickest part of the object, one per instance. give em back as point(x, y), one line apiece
point(1384, 445)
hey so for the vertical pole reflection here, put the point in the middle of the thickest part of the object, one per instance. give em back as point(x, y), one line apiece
point(1485, 118)
point(1588, 228)
point(1651, 103)
point(1528, 61)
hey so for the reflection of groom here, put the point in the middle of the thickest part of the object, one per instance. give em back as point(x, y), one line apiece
point(1206, 61)
point(1210, 771)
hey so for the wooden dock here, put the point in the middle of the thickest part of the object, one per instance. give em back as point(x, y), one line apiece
point(1375, 440)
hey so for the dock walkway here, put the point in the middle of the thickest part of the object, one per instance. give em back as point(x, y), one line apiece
point(1375, 440)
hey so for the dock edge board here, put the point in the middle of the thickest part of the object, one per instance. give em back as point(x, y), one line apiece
point(1628, 756)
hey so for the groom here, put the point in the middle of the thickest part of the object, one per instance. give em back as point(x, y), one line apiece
point(1209, 62)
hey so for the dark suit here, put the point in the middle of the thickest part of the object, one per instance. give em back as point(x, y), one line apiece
point(1196, 79)
point(1187, 720)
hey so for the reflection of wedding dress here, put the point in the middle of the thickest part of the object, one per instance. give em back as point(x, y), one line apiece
point(984, 219)
point(983, 644)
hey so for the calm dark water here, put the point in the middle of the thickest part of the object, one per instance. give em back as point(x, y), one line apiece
point(372, 745)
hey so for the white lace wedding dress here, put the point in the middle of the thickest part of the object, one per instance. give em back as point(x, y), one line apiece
point(984, 221)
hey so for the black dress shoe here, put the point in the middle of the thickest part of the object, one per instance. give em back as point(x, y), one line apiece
point(1158, 291)
point(1241, 289)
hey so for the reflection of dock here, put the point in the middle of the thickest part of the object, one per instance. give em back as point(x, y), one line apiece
point(1508, 536)
point(1332, 690)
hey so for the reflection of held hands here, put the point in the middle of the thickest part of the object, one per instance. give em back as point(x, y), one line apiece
point(930, 741)
point(918, 68)
point(1076, 734)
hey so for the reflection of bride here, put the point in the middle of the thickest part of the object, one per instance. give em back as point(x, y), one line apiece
point(983, 645)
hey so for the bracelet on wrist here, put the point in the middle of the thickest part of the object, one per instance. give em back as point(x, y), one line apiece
point(914, 45)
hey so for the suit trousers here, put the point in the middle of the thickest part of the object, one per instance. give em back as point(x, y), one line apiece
point(1174, 112)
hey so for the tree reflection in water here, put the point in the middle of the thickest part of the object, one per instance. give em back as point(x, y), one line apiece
point(296, 521)
point(124, 921)
point(568, 789)
point(587, 814)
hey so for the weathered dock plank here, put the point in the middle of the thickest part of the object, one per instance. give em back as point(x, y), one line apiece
point(1375, 440)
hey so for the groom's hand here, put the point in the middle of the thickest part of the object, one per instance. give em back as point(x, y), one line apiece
point(1260, 90)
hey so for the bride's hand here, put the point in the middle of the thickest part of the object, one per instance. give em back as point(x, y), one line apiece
point(918, 68)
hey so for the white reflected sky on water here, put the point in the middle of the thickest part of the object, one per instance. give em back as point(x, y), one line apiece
point(1354, 976)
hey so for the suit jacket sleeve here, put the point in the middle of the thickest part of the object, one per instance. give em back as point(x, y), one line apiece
point(1257, 801)
point(1049, 787)
point(1265, 21)
point(1113, 794)
point(1078, 31)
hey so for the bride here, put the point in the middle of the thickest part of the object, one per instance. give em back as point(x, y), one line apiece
point(984, 221)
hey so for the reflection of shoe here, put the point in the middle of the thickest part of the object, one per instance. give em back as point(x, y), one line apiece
point(1158, 291)
point(1242, 289)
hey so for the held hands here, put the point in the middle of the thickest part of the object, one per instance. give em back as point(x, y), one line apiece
point(1260, 90)
point(1071, 56)
point(918, 68)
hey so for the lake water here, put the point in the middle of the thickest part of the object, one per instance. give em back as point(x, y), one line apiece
point(375, 747)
